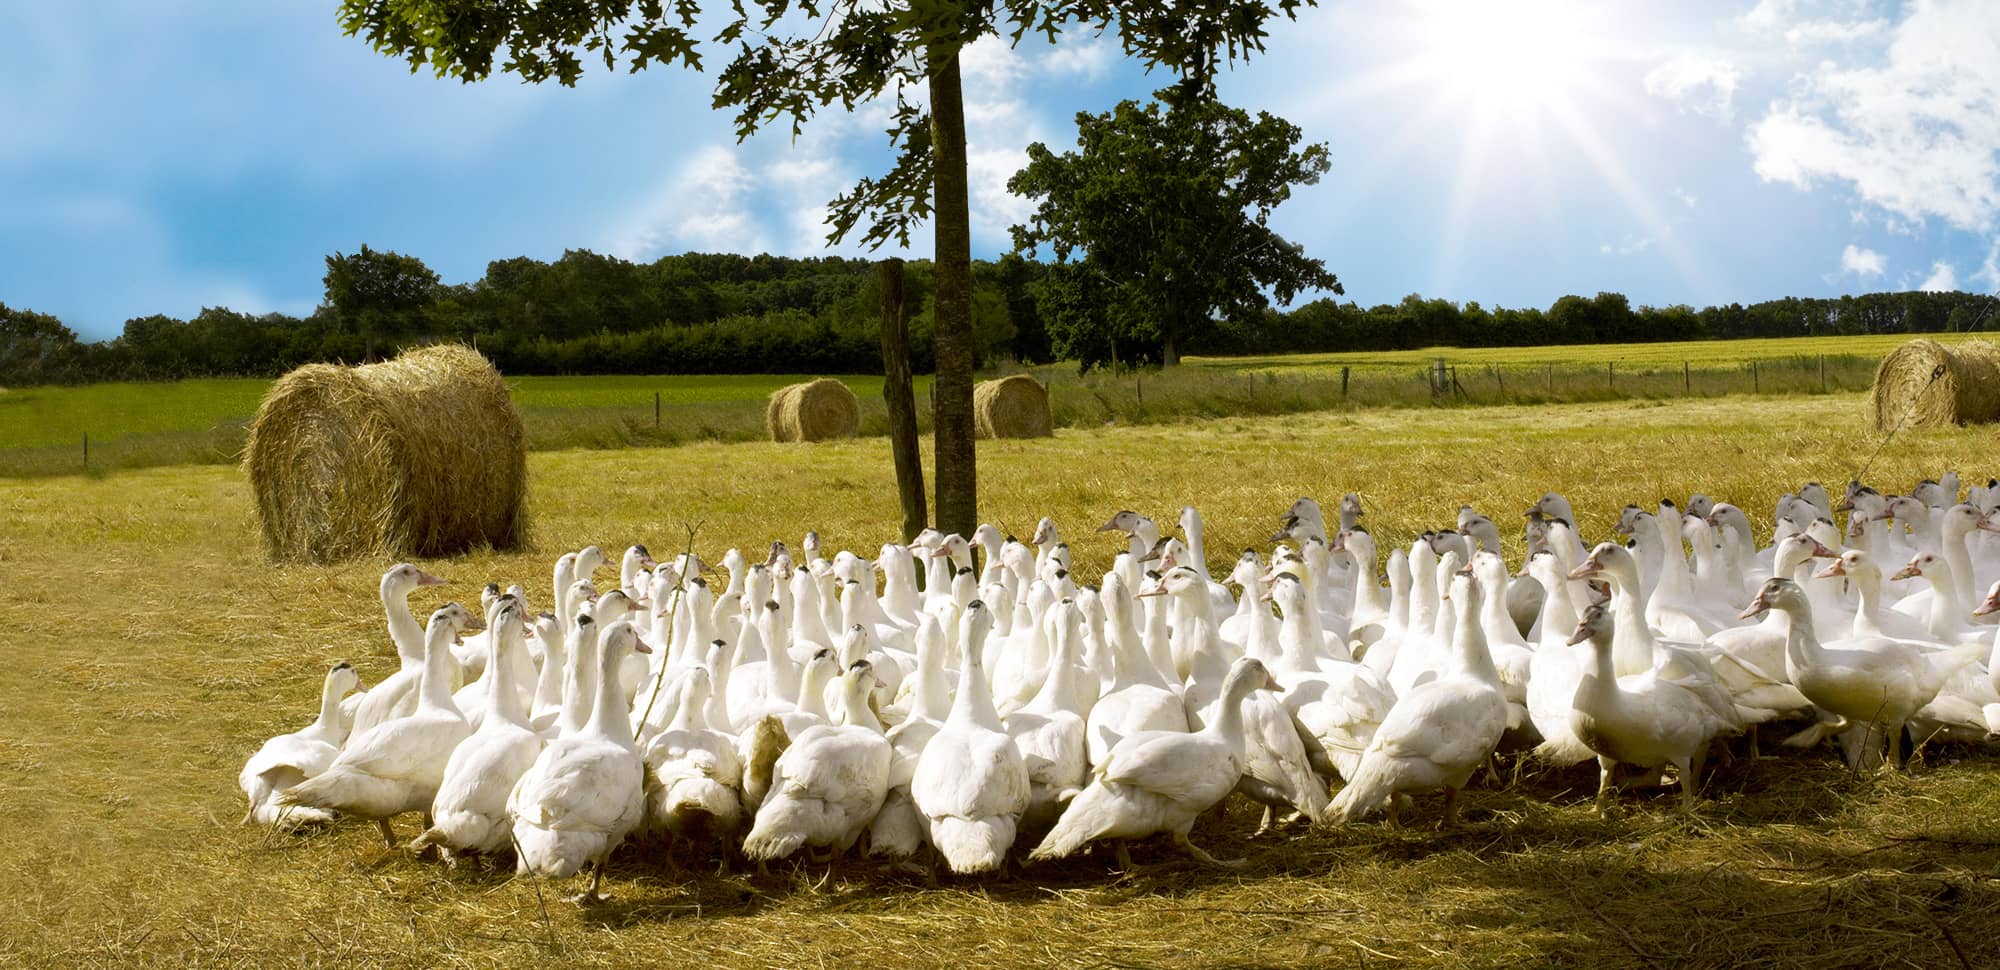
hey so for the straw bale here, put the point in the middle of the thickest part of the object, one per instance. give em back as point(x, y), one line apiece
point(1925, 384)
point(1012, 407)
point(420, 456)
point(813, 411)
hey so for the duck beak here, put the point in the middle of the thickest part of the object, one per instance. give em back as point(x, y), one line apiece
point(1756, 606)
point(639, 646)
point(1986, 522)
point(1908, 571)
point(1581, 634)
point(1835, 569)
point(426, 579)
point(1111, 526)
point(1820, 551)
point(1270, 683)
point(1990, 605)
point(1590, 568)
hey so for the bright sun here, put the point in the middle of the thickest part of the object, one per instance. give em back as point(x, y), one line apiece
point(1511, 58)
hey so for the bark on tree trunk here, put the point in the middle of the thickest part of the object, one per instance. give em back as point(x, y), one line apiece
point(957, 478)
point(900, 398)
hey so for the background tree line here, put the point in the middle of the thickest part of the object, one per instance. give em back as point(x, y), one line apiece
point(720, 313)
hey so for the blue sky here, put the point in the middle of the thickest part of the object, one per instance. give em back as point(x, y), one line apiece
point(163, 157)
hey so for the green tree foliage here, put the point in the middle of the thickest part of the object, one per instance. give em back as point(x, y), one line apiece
point(35, 348)
point(797, 57)
point(1164, 210)
point(380, 295)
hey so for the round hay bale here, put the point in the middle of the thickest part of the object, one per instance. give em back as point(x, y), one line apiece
point(1925, 384)
point(1012, 407)
point(813, 411)
point(420, 456)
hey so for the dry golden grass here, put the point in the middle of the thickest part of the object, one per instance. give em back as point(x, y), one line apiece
point(153, 648)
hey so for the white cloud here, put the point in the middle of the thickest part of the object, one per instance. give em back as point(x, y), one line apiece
point(1696, 83)
point(702, 207)
point(1686, 198)
point(1916, 135)
point(1815, 32)
point(1861, 262)
point(1089, 58)
point(1943, 277)
point(1768, 14)
point(1627, 246)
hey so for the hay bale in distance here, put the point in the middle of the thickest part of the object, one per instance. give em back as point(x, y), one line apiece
point(1965, 389)
point(1012, 407)
point(420, 456)
point(813, 411)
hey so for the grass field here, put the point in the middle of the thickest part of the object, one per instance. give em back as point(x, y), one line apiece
point(204, 421)
point(151, 649)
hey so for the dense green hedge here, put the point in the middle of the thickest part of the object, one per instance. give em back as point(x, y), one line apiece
point(721, 313)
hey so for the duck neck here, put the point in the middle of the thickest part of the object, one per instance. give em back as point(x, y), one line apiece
point(1060, 684)
point(404, 630)
point(438, 663)
point(812, 693)
point(1558, 614)
point(1197, 550)
point(1946, 605)
point(329, 709)
point(1959, 558)
point(973, 704)
point(608, 715)
point(549, 682)
point(1802, 648)
point(1632, 644)
point(857, 712)
point(1295, 642)
point(1227, 724)
point(1469, 649)
point(503, 697)
point(565, 577)
point(580, 680)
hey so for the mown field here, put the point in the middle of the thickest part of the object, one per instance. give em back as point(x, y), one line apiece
point(152, 648)
point(42, 430)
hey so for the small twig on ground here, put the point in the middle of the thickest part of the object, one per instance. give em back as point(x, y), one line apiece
point(1624, 936)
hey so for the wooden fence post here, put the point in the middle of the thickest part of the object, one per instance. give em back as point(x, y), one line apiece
point(86, 449)
point(1343, 383)
point(1552, 378)
point(1687, 382)
point(1756, 384)
point(900, 398)
point(1610, 375)
point(1822, 373)
point(656, 410)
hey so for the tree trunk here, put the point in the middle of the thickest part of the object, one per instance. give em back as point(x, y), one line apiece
point(1169, 355)
point(900, 399)
point(957, 477)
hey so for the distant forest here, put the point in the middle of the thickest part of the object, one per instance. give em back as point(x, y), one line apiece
point(719, 313)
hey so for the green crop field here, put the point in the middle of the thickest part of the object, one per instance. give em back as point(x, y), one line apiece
point(151, 648)
point(1668, 355)
point(42, 429)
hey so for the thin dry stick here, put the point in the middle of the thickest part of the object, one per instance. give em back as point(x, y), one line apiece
point(673, 606)
point(535, 879)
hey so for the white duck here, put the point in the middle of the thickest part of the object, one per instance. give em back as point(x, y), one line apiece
point(1639, 720)
point(288, 759)
point(1049, 730)
point(1339, 703)
point(585, 792)
point(1161, 781)
point(1438, 732)
point(395, 696)
point(1139, 699)
point(396, 766)
point(830, 783)
point(469, 814)
point(694, 776)
point(1555, 671)
point(1866, 681)
point(971, 783)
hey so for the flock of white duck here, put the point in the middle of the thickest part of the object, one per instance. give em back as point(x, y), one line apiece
point(938, 715)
